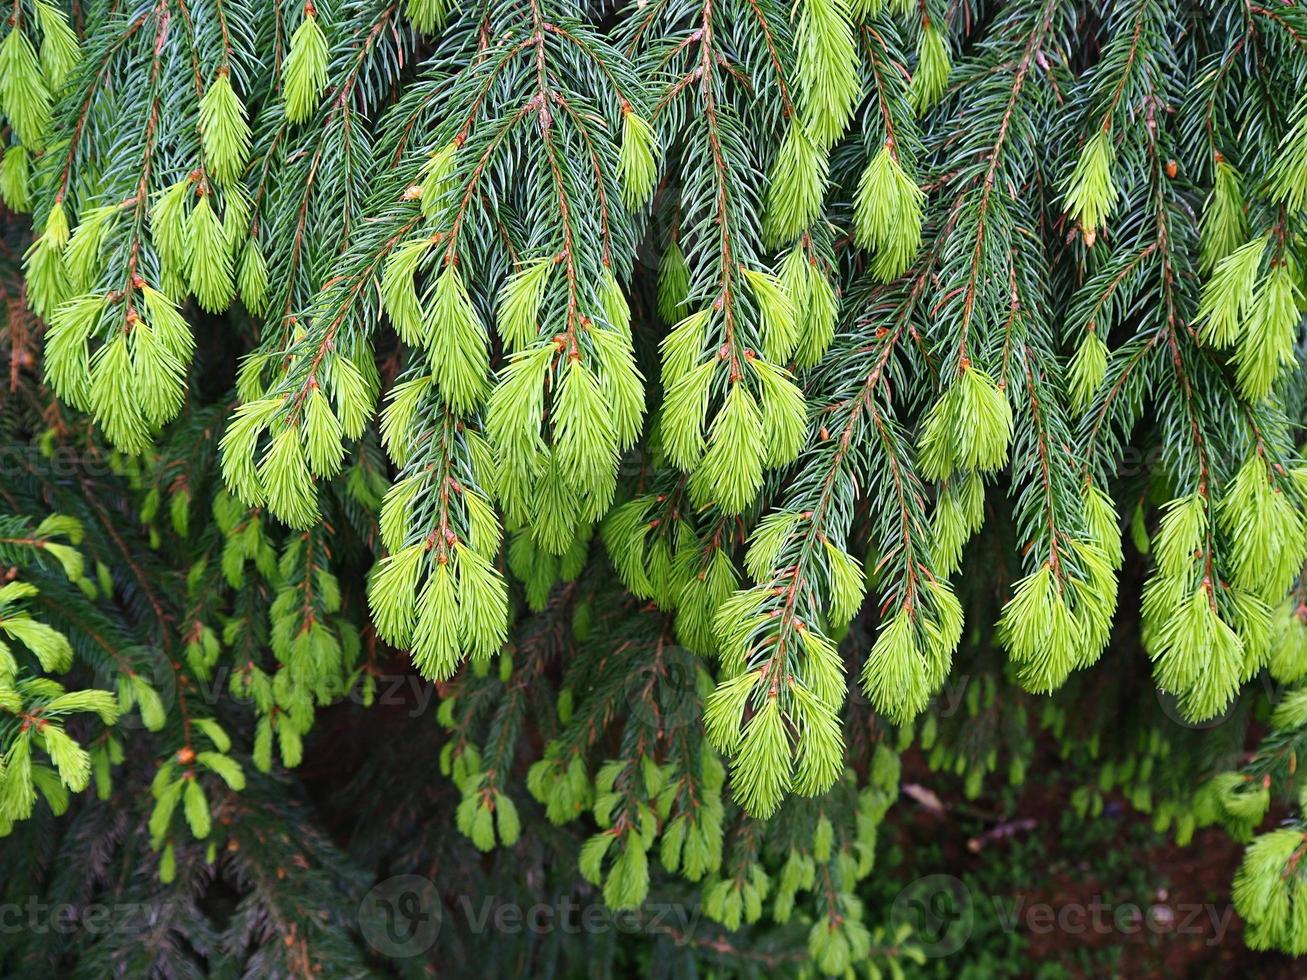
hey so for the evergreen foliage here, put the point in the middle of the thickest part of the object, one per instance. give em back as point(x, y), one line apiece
point(644, 376)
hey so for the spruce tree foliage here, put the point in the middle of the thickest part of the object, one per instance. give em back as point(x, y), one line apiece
point(835, 330)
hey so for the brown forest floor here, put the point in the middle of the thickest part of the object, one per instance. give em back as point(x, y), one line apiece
point(1125, 864)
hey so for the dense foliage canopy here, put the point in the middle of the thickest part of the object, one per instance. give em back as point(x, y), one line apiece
point(692, 389)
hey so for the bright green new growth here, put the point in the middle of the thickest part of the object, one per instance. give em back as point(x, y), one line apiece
point(1265, 528)
point(1205, 639)
point(252, 278)
point(24, 92)
point(453, 620)
point(518, 313)
point(1265, 347)
point(224, 129)
point(305, 69)
point(322, 435)
point(1228, 294)
point(456, 343)
point(887, 214)
point(673, 284)
point(680, 348)
point(784, 422)
point(111, 397)
point(285, 481)
point(1040, 630)
point(1087, 369)
point(134, 382)
point(514, 413)
point(827, 62)
point(621, 384)
point(209, 265)
point(637, 164)
point(162, 347)
point(795, 187)
point(60, 50)
point(1181, 534)
point(816, 306)
point(239, 445)
point(1225, 221)
point(585, 439)
point(1199, 657)
point(1091, 191)
point(83, 255)
point(1270, 891)
point(168, 227)
point(15, 175)
point(968, 428)
point(399, 294)
point(1288, 176)
point(43, 264)
point(912, 656)
point(780, 328)
point(56, 226)
point(427, 15)
point(67, 347)
point(959, 513)
point(730, 472)
point(435, 644)
point(930, 80)
point(1104, 525)
point(436, 179)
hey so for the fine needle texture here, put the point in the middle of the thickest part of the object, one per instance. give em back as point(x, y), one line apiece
point(613, 440)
